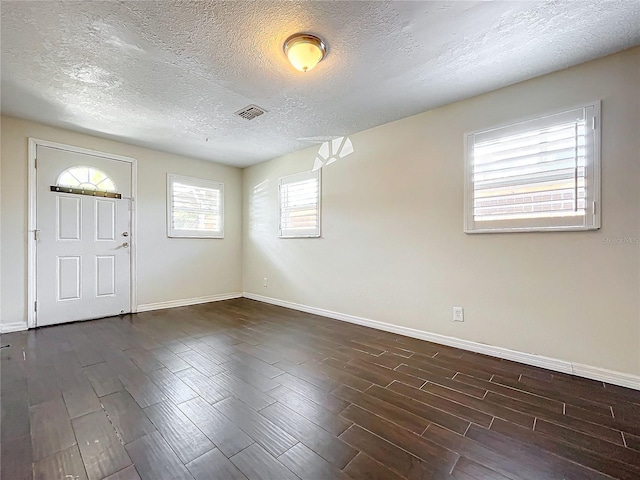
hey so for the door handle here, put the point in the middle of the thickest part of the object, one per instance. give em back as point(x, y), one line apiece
point(125, 245)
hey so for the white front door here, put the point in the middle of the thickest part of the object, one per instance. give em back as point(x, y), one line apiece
point(83, 260)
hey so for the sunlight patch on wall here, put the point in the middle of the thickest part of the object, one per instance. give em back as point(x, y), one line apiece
point(331, 151)
point(258, 209)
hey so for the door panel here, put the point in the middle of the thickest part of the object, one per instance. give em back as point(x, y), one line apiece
point(105, 275)
point(105, 220)
point(83, 263)
point(69, 215)
point(69, 278)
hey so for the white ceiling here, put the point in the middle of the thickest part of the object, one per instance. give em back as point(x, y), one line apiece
point(170, 75)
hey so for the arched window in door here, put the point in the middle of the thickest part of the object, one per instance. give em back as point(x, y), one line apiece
point(87, 178)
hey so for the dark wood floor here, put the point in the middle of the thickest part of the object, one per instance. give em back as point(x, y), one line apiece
point(240, 389)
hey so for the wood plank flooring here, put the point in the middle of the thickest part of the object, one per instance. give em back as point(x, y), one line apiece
point(245, 390)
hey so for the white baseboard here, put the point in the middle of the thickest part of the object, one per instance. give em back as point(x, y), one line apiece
point(564, 366)
point(608, 376)
point(12, 327)
point(147, 307)
point(187, 301)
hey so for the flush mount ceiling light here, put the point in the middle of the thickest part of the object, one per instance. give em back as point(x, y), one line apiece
point(304, 51)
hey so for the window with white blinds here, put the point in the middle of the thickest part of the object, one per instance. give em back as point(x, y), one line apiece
point(541, 174)
point(300, 205)
point(195, 207)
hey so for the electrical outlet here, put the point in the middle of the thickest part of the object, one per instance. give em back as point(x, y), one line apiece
point(265, 282)
point(458, 314)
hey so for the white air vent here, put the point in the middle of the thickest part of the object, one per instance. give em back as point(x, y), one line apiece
point(250, 112)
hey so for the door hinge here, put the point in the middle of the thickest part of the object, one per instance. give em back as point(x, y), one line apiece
point(594, 123)
point(36, 235)
point(35, 306)
point(594, 208)
point(36, 162)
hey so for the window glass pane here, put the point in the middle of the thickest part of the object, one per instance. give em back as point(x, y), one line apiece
point(196, 207)
point(300, 205)
point(528, 175)
point(85, 177)
point(520, 174)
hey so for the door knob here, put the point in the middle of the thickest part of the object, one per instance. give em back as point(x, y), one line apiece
point(125, 245)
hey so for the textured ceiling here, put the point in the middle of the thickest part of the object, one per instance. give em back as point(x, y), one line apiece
point(170, 75)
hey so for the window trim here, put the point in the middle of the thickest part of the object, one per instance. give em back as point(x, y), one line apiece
point(214, 184)
point(592, 218)
point(290, 179)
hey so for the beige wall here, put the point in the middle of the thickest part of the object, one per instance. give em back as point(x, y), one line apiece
point(168, 269)
point(393, 247)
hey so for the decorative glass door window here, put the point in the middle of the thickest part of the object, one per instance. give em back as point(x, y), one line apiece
point(86, 178)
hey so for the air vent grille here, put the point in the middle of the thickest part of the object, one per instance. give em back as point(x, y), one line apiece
point(250, 112)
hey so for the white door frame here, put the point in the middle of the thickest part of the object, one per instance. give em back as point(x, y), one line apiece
point(31, 243)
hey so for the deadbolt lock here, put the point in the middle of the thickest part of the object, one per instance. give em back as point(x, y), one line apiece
point(125, 234)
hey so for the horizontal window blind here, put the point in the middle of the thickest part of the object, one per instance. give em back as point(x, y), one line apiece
point(540, 172)
point(300, 205)
point(195, 207)
point(541, 169)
